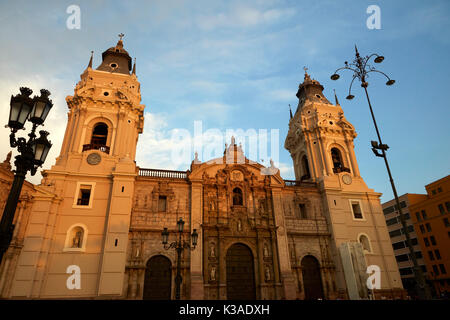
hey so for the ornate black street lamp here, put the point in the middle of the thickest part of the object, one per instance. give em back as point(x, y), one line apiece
point(179, 245)
point(361, 68)
point(32, 153)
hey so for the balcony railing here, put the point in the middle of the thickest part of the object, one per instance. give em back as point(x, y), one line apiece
point(94, 146)
point(159, 173)
point(341, 169)
point(298, 183)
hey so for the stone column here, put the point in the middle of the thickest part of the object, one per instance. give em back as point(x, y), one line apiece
point(197, 285)
point(282, 244)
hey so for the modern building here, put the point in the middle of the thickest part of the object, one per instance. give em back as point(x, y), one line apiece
point(431, 218)
point(260, 236)
point(398, 239)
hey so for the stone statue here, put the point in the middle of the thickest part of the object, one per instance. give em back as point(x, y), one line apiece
point(239, 225)
point(213, 273)
point(267, 273)
point(266, 250)
point(212, 252)
point(76, 241)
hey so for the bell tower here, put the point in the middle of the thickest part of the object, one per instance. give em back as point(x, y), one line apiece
point(320, 141)
point(81, 212)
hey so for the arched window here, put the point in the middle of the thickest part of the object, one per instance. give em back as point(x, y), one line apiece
point(338, 163)
point(306, 174)
point(99, 134)
point(364, 240)
point(76, 238)
point(237, 197)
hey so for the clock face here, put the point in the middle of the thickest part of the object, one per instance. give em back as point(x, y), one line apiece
point(346, 179)
point(94, 158)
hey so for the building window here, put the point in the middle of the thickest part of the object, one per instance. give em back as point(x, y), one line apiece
point(306, 173)
point(436, 271)
point(76, 238)
point(338, 164)
point(428, 227)
point(418, 216)
point(302, 211)
point(356, 209)
point(392, 221)
point(427, 243)
point(437, 254)
point(422, 228)
point(365, 242)
point(441, 208)
point(418, 255)
point(424, 215)
point(402, 258)
point(433, 241)
point(99, 134)
point(84, 195)
point(430, 254)
point(447, 205)
point(388, 210)
point(446, 222)
point(237, 197)
point(406, 271)
point(398, 245)
point(442, 267)
point(162, 203)
point(414, 241)
point(439, 189)
point(433, 191)
point(395, 233)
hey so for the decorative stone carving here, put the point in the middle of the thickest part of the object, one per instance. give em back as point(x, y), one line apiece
point(212, 274)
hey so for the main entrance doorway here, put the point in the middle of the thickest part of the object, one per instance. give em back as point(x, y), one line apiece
point(311, 278)
point(158, 279)
point(240, 273)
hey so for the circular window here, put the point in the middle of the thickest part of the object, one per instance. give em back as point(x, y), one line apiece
point(129, 121)
point(106, 94)
point(331, 122)
point(318, 96)
point(309, 111)
point(113, 65)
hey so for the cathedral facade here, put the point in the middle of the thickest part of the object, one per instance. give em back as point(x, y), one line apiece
point(259, 236)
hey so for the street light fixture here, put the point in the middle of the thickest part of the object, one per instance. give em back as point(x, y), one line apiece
point(179, 245)
point(361, 68)
point(32, 153)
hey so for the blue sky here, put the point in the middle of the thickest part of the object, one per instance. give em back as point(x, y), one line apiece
point(238, 64)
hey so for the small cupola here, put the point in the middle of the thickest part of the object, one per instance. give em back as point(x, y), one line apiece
point(116, 59)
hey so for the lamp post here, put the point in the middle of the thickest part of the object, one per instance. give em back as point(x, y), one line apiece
point(32, 153)
point(361, 68)
point(179, 245)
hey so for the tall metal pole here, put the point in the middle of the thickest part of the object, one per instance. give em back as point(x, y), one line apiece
point(424, 293)
point(178, 277)
point(6, 224)
point(361, 68)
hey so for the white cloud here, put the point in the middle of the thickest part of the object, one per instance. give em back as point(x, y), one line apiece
point(243, 16)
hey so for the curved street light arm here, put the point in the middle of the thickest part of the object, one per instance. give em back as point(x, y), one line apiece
point(380, 72)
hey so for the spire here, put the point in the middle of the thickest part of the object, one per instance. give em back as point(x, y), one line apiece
point(290, 111)
point(134, 67)
point(335, 98)
point(90, 60)
point(120, 42)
